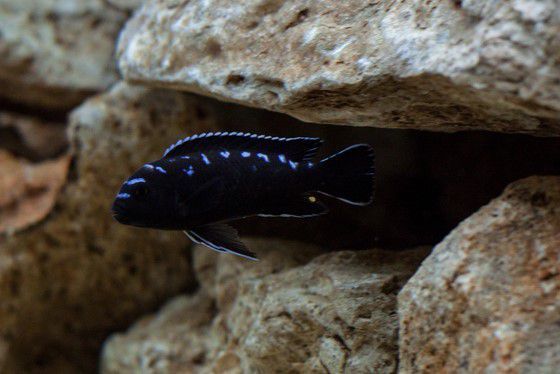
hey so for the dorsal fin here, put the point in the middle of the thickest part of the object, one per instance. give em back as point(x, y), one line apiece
point(296, 149)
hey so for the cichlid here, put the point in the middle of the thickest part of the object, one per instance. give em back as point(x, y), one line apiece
point(205, 180)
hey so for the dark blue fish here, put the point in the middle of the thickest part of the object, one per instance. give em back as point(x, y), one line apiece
point(207, 179)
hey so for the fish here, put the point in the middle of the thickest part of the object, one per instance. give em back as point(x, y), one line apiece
point(206, 180)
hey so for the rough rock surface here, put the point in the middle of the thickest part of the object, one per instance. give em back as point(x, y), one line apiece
point(28, 191)
point(438, 65)
point(486, 299)
point(54, 53)
point(334, 314)
point(31, 137)
point(66, 283)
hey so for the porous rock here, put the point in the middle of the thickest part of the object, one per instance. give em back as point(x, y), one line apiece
point(54, 53)
point(486, 299)
point(335, 313)
point(437, 65)
point(32, 137)
point(69, 281)
point(28, 191)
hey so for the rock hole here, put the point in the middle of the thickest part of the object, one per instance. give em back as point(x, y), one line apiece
point(199, 359)
point(253, 25)
point(277, 83)
point(539, 199)
point(132, 269)
point(235, 79)
point(299, 18)
point(213, 48)
point(200, 113)
point(269, 7)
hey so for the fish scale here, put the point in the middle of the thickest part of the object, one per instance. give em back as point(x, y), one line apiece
point(207, 179)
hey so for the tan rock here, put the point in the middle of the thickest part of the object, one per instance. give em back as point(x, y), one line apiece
point(334, 314)
point(486, 299)
point(442, 66)
point(28, 191)
point(31, 136)
point(69, 281)
point(54, 53)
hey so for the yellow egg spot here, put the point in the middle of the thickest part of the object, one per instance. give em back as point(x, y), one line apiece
point(312, 199)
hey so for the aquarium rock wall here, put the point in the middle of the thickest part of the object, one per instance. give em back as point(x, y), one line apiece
point(455, 267)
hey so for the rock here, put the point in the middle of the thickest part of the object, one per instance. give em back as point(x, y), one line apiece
point(486, 299)
point(78, 275)
point(31, 136)
point(28, 191)
point(283, 314)
point(444, 66)
point(55, 53)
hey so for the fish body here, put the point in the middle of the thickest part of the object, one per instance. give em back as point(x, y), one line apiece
point(205, 180)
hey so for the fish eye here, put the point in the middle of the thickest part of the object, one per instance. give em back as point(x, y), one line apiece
point(141, 193)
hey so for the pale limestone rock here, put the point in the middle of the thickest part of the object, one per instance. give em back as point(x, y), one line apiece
point(444, 66)
point(69, 281)
point(53, 53)
point(336, 313)
point(486, 299)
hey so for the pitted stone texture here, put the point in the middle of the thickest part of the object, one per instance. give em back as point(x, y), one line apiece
point(486, 299)
point(28, 191)
point(68, 282)
point(337, 313)
point(53, 53)
point(443, 65)
point(31, 136)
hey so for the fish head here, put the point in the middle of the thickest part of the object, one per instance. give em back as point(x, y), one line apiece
point(141, 200)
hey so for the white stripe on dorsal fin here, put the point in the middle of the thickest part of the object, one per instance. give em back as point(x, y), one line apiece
point(296, 149)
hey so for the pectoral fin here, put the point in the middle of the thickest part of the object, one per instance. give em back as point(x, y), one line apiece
point(222, 238)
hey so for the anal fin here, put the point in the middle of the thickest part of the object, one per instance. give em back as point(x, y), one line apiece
point(300, 206)
point(220, 237)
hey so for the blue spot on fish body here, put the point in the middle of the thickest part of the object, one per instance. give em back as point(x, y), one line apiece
point(293, 165)
point(123, 195)
point(185, 157)
point(263, 156)
point(254, 167)
point(205, 159)
point(189, 172)
point(245, 154)
point(224, 154)
point(282, 158)
point(161, 170)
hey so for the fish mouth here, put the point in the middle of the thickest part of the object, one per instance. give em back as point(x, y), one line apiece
point(119, 217)
point(117, 211)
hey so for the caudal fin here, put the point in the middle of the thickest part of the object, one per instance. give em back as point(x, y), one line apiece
point(348, 175)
